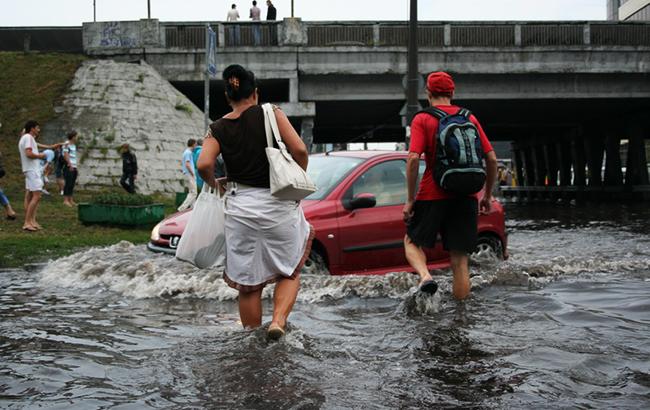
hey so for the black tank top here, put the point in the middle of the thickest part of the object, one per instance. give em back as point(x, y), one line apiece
point(242, 142)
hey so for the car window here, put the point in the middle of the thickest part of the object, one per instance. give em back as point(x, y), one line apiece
point(386, 181)
point(421, 169)
point(328, 171)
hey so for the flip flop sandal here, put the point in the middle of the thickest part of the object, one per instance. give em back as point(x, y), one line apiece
point(30, 229)
point(275, 332)
point(429, 286)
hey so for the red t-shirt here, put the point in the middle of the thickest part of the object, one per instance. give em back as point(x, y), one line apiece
point(423, 131)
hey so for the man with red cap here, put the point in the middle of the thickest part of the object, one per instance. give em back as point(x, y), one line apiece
point(432, 210)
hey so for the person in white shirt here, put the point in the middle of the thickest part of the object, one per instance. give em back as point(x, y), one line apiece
point(234, 31)
point(31, 166)
point(255, 15)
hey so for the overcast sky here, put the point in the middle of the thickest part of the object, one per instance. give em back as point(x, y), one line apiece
point(74, 12)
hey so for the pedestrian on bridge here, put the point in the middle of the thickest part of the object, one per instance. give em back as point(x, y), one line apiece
point(234, 30)
point(271, 12)
point(255, 14)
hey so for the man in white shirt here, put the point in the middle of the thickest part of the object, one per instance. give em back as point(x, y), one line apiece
point(255, 15)
point(30, 162)
point(233, 15)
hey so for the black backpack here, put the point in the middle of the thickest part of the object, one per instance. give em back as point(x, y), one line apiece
point(459, 165)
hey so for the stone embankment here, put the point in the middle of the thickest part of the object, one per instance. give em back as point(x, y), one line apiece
point(111, 103)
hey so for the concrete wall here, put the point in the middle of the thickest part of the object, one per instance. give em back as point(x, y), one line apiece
point(111, 103)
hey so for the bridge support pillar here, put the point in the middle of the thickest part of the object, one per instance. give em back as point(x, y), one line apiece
point(613, 172)
point(540, 164)
point(550, 160)
point(579, 162)
point(594, 147)
point(636, 172)
point(307, 131)
point(517, 157)
point(529, 166)
point(564, 159)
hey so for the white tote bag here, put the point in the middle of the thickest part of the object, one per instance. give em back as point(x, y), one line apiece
point(203, 243)
point(288, 179)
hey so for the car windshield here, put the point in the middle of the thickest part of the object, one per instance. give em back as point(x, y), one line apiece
point(327, 172)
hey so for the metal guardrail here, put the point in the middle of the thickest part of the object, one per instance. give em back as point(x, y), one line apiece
point(552, 34)
point(488, 34)
point(60, 39)
point(191, 35)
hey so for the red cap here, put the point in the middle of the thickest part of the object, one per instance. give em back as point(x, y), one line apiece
point(440, 82)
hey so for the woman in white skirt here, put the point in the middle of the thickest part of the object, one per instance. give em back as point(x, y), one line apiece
point(267, 239)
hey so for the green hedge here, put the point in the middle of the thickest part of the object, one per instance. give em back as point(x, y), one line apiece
point(122, 199)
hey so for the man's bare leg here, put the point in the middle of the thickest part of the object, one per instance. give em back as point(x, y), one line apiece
point(460, 268)
point(417, 259)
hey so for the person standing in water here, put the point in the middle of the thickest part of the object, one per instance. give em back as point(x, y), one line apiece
point(431, 210)
point(260, 250)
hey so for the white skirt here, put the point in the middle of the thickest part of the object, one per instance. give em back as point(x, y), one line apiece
point(266, 238)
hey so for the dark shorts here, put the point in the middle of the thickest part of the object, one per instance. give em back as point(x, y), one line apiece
point(454, 219)
point(58, 169)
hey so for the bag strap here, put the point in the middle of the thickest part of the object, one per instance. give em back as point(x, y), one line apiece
point(271, 125)
point(464, 112)
point(434, 112)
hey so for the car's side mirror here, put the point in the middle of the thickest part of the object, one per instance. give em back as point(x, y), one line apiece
point(359, 201)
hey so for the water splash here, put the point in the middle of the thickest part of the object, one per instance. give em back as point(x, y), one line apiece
point(536, 260)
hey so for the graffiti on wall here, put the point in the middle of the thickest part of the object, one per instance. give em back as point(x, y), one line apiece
point(114, 35)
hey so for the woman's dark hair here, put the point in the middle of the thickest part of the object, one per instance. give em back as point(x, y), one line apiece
point(239, 82)
point(72, 134)
point(30, 124)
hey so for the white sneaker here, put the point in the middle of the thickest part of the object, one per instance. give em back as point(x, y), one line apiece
point(45, 192)
point(61, 193)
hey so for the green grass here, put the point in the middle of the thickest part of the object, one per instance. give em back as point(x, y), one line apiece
point(31, 85)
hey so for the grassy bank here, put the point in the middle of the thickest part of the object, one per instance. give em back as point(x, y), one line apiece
point(30, 87)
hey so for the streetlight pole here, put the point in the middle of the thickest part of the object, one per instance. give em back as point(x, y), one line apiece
point(291, 8)
point(94, 12)
point(412, 104)
point(149, 9)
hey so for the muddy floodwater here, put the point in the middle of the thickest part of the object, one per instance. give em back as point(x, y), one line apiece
point(565, 323)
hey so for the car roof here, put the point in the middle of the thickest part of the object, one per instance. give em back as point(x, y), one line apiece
point(369, 154)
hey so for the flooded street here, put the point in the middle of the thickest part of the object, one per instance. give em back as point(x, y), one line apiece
point(564, 323)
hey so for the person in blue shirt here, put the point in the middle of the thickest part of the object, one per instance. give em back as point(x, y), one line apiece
point(189, 171)
point(195, 157)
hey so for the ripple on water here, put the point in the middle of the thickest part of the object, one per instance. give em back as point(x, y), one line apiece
point(564, 321)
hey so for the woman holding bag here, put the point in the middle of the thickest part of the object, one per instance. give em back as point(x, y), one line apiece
point(267, 239)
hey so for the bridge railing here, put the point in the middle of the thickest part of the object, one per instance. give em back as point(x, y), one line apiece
point(293, 32)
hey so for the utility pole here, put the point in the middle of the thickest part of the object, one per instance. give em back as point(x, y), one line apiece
point(413, 81)
point(149, 9)
point(291, 8)
point(94, 12)
point(206, 83)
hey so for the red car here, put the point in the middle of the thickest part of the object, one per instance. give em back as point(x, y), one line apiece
point(357, 214)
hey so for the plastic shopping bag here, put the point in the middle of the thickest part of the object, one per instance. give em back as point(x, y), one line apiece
point(203, 243)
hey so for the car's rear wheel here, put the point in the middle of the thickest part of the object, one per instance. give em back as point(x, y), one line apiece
point(315, 264)
point(488, 246)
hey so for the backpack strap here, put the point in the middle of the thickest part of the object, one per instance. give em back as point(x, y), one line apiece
point(434, 112)
point(464, 112)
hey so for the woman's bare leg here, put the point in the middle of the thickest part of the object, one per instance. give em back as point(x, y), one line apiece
point(250, 308)
point(286, 292)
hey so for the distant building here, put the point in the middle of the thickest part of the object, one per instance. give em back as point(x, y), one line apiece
point(630, 10)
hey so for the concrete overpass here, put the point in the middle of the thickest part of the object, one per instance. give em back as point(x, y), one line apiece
point(566, 93)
